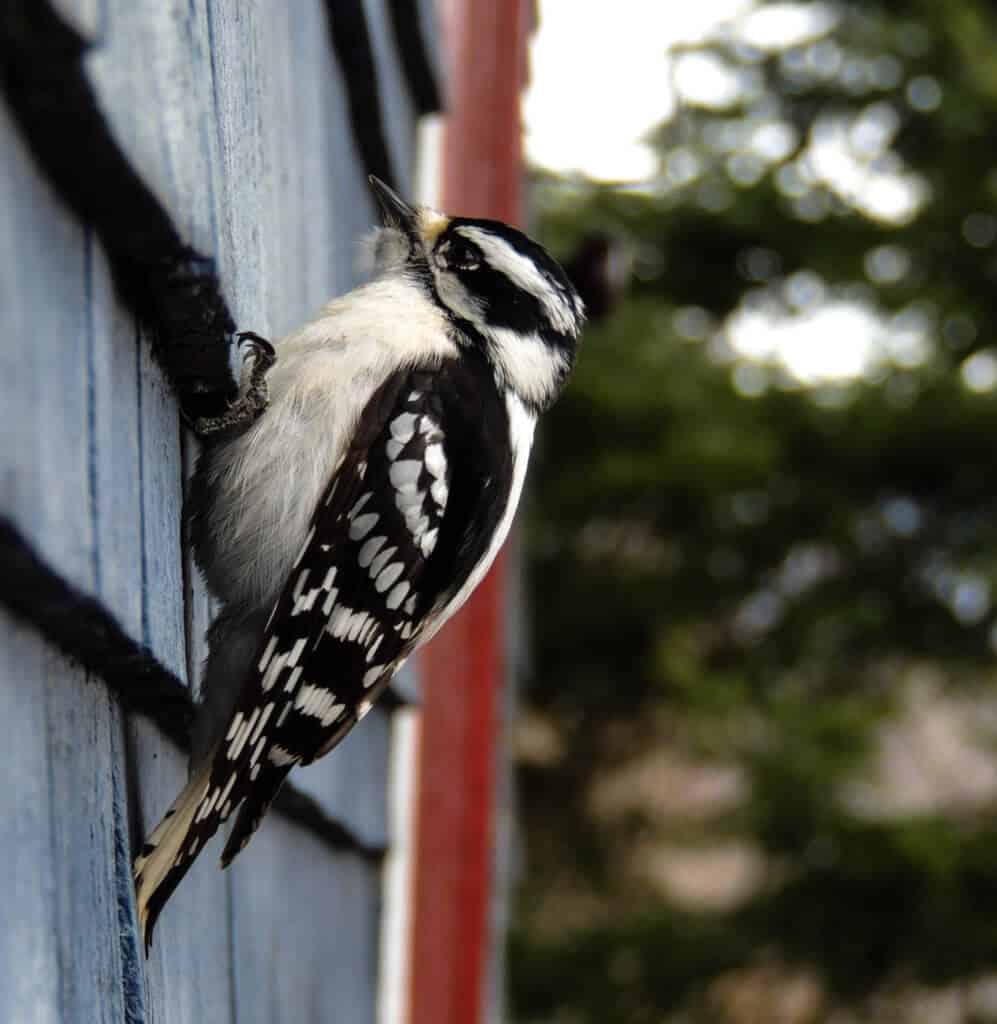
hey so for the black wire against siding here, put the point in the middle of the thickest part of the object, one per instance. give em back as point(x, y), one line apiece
point(351, 43)
point(82, 628)
point(414, 55)
point(172, 289)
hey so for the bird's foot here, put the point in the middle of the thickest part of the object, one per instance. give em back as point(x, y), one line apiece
point(258, 356)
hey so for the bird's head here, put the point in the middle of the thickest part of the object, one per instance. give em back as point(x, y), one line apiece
point(503, 292)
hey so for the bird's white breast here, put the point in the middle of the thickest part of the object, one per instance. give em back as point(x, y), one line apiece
point(269, 480)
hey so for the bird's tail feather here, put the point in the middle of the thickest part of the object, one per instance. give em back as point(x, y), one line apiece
point(254, 807)
point(164, 860)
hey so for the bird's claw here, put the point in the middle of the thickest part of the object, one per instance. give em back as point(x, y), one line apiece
point(258, 356)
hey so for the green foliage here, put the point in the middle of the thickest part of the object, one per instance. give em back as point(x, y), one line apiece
point(735, 565)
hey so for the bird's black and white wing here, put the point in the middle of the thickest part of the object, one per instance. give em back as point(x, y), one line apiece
point(416, 510)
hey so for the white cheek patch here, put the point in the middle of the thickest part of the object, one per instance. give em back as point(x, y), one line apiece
point(526, 363)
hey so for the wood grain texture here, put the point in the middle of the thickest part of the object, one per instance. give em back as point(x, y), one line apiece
point(306, 946)
point(234, 112)
point(58, 886)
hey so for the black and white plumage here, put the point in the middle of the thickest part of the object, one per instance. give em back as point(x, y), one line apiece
point(347, 524)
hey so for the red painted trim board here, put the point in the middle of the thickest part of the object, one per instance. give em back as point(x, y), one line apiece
point(463, 669)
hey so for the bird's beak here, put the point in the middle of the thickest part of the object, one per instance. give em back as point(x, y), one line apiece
point(394, 210)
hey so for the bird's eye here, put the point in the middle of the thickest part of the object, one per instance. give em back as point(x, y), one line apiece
point(462, 257)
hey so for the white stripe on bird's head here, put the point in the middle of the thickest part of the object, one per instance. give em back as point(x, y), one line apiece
point(562, 306)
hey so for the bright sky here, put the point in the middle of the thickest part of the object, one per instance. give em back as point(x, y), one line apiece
point(602, 77)
point(600, 80)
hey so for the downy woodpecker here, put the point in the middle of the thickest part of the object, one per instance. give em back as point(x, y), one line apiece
point(344, 527)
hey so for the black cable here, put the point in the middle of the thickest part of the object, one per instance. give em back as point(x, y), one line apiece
point(82, 628)
point(412, 51)
point(172, 289)
point(351, 43)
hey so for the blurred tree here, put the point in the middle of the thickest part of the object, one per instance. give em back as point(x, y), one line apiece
point(764, 528)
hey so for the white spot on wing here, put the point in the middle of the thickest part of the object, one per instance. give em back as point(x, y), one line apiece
point(372, 675)
point(255, 755)
point(267, 654)
point(388, 576)
point(409, 504)
point(207, 804)
point(273, 672)
point(346, 623)
point(428, 542)
point(379, 563)
point(299, 586)
point(435, 460)
point(229, 785)
point(234, 725)
point(296, 650)
point(264, 718)
point(240, 741)
point(440, 492)
point(362, 525)
point(281, 757)
point(318, 702)
point(397, 595)
point(370, 549)
point(403, 426)
point(405, 471)
point(429, 429)
point(292, 680)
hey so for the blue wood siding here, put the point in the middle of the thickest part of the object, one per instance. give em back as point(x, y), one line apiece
point(234, 112)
